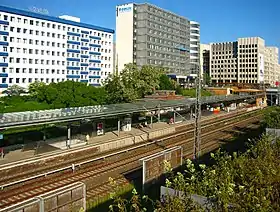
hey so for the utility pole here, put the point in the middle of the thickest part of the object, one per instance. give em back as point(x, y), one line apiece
point(197, 130)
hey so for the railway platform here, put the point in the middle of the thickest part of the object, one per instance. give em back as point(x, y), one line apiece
point(108, 141)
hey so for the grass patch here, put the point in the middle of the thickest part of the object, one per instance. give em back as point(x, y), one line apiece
point(101, 203)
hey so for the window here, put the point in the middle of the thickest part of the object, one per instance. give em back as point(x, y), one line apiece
point(18, 60)
point(5, 17)
point(30, 51)
point(12, 39)
point(17, 70)
point(18, 40)
point(24, 50)
point(36, 51)
point(37, 23)
point(37, 32)
point(43, 33)
point(42, 52)
point(31, 22)
point(31, 32)
point(30, 41)
point(48, 25)
point(30, 62)
point(18, 30)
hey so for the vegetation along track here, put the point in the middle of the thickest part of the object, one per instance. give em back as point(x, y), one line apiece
point(53, 163)
point(92, 174)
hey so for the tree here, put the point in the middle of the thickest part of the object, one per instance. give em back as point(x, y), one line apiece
point(207, 79)
point(14, 90)
point(272, 117)
point(70, 94)
point(166, 83)
point(132, 83)
point(34, 88)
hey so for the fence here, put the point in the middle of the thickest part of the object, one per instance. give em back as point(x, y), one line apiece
point(70, 198)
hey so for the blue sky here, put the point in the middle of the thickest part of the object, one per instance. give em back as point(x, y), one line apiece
point(221, 20)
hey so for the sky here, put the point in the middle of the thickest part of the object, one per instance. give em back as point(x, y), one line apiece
point(220, 20)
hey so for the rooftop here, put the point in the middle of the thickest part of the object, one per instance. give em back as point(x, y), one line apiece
point(52, 18)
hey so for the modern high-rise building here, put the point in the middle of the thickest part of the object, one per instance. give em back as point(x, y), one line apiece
point(271, 65)
point(223, 62)
point(149, 35)
point(204, 59)
point(244, 61)
point(194, 47)
point(37, 47)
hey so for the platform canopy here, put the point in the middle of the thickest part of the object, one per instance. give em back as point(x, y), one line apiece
point(27, 118)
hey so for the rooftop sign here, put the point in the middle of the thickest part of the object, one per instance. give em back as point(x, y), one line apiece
point(125, 9)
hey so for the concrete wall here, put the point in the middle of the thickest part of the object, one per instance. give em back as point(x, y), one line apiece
point(135, 139)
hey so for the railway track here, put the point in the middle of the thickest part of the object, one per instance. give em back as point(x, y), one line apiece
point(96, 172)
point(29, 170)
point(98, 191)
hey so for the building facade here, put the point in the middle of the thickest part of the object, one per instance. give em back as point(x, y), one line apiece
point(194, 47)
point(251, 60)
point(204, 60)
point(246, 60)
point(223, 62)
point(271, 65)
point(149, 35)
point(36, 47)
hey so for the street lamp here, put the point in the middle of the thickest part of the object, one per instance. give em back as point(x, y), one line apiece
point(197, 126)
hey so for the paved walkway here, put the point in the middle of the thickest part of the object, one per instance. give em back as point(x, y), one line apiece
point(53, 148)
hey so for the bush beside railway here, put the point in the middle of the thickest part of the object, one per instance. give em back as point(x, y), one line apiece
point(247, 182)
point(131, 84)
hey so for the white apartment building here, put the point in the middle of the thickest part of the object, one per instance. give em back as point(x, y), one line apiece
point(271, 66)
point(36, 47)
point(244, 61)
point(149, 35)
point(194, 47)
